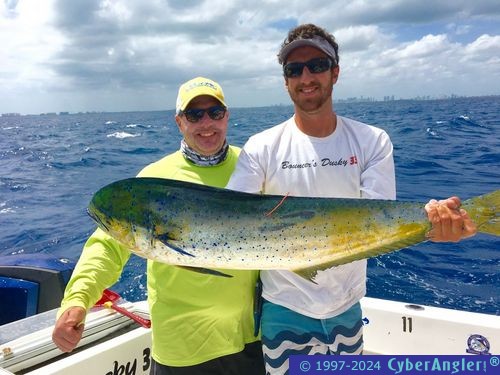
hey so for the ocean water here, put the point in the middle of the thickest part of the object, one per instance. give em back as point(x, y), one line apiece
point(52, 164)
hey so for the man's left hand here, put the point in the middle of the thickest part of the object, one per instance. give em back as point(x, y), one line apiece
point(450, 223)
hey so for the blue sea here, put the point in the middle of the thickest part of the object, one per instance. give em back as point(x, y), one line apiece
point(52, 164)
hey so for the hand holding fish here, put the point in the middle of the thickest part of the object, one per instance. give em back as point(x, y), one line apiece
point(450, 223)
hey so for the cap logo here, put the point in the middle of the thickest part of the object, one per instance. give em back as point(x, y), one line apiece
point(199, 84)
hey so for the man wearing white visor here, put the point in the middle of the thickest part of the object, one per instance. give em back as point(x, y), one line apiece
point(318, 153)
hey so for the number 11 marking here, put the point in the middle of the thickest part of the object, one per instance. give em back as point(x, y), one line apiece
point(407, 324)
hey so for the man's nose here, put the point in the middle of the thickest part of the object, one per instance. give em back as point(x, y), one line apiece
point(306, 74)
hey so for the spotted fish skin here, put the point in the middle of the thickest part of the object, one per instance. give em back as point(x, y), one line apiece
point(193, 225)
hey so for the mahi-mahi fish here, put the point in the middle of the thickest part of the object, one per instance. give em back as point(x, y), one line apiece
point(201, 227)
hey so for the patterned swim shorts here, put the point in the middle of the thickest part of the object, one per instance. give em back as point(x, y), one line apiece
point(286, 333)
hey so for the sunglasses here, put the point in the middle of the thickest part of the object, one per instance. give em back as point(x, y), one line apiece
point(217, 112)
point(315, 66)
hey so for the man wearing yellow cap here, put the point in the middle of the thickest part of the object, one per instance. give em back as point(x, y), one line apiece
point(201, 324)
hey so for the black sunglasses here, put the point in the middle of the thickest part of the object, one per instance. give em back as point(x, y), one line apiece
point(315, 66)
point(217, 112)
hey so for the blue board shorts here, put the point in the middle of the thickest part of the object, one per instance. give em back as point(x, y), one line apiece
point(286, 333)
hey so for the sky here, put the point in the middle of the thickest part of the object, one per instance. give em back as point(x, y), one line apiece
point(132, 55)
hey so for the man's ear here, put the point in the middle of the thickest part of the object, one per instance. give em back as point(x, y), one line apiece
point(335, 74)
point(178, 122)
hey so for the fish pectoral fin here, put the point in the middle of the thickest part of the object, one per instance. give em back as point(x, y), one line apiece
point(205, 271)
point(166, 240)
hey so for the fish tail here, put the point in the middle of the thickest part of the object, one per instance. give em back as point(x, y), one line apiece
point(484, 211)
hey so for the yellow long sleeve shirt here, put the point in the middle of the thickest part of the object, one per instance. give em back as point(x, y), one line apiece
point(195, 317)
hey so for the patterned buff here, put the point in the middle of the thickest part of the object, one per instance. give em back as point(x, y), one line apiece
point(201, 160)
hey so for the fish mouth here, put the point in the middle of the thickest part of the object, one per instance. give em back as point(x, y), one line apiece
point(97, 219)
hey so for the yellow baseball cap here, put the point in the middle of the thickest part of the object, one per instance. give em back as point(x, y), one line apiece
point(196, 87)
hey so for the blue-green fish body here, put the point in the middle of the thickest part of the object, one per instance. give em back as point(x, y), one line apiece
point(194, 225)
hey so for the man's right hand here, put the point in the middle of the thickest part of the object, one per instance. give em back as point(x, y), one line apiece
point(68, 329)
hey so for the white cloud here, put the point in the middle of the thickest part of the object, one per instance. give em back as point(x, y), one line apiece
point(359, 38)
point(130, 54)
point(485, 44)
point(112, 11)
point(28, 43)
point(428, 67)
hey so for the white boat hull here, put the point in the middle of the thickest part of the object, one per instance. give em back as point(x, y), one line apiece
point(393, 328)
point(400, 328)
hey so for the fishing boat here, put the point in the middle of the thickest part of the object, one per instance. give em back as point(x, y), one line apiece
point(114, 344)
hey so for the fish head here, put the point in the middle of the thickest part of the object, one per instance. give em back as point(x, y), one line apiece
point(114, 209)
